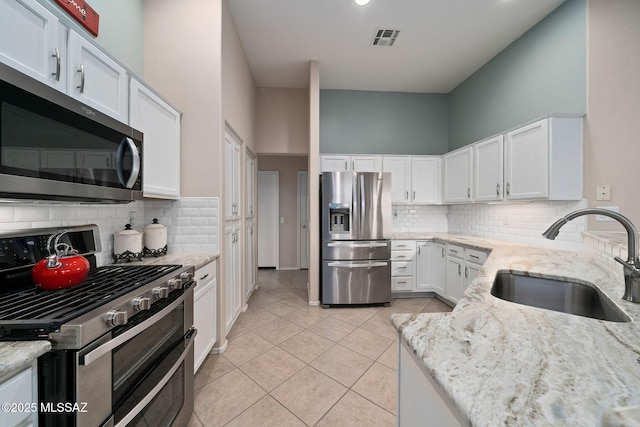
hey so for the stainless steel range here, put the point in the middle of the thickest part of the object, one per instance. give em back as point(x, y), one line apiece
point(122, 339)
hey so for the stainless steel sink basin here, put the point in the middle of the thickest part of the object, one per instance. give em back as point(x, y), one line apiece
point(565, 296)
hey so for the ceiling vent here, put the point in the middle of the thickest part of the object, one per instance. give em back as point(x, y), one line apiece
point(385, 37)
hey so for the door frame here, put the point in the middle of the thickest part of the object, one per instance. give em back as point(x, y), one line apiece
point(276, 224)
point(299, 234)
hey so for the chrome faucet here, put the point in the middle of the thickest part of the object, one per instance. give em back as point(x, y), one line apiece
point(631, 266)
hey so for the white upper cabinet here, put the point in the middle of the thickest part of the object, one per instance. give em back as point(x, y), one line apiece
point(544, 160)
point(414, 179)
point(426, 185)
point(342, 162)
point(160, 125)
point(250, 184)
point(488, 160)
point(33, 41)
point(233, 176)
point(457, 175)
point(95, 79)
point(400, 168)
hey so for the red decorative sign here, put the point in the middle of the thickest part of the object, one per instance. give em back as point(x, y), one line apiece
point(83, 13)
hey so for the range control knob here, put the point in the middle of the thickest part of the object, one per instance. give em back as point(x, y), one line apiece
point(141, 303)
point(117, 318)
point(186, 276)
point(174, 284)
point(160, 292)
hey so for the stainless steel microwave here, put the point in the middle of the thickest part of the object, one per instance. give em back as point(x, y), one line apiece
point(53, 147)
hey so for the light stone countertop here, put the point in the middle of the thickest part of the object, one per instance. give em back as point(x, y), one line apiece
point(198, 260)
point(17, 355)
point(509, 364)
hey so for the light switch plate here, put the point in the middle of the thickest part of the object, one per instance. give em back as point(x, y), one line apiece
point(603, 192)
point(606, 218)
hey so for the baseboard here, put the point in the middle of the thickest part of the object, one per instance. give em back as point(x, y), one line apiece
point(220, 350)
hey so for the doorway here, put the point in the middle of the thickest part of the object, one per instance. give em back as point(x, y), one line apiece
point(268, 219)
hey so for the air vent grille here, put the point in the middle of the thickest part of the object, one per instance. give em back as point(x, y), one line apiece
point(385, 37)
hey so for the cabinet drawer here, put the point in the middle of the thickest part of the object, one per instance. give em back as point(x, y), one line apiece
point(402, 283)
point(475, 256)
point(403, 255)
point(403, 245)
point(455, 250)
point(401, 268)
point(206, 273)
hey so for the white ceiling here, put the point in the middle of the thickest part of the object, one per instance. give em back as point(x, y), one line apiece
point(441, 42)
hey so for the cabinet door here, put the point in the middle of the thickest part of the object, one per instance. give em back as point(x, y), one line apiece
point(250, 259)
point(331, 163)
point(232, 177)
point(457, 176)
point(438, 273)
point(488, 159)
point(160, 124)
point(33, 41)
point(424, 260)
point(204, 312)
point(470, 273)
point(400, 168)
point(527, 162)
point(455, 279)
point(95, 79)
point(426, 184)
point(366, 163)
point(250, 170)
point(232, 276)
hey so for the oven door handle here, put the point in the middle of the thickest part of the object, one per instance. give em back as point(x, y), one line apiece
point(188, 340)
point(98, 352)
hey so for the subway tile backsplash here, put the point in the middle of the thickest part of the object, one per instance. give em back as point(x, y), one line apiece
point(192, 222)
point(410, 218)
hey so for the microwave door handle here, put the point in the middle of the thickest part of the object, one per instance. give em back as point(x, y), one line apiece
point(127, 143)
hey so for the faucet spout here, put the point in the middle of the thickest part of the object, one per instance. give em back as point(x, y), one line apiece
point(631, 266)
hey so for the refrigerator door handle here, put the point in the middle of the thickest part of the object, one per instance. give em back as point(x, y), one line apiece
point(357, 265)
point(357, 245)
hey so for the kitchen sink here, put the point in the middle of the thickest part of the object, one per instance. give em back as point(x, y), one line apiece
point(565, 296)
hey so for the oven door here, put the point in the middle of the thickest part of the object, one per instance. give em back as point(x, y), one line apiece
point(146, 369)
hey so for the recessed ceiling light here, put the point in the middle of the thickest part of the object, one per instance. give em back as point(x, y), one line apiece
point(362, 2)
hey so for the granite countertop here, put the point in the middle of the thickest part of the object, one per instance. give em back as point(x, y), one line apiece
point(198, 260)
point(509, 364)
point(17, 355)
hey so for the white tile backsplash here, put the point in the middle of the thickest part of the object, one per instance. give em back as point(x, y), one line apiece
point(198, 214)
point(410, 218)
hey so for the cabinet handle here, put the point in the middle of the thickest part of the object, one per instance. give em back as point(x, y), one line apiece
point(81, 71)
point(459, 270)
point(453, 250)
point(346, 165)
point(473, 256)
point(468, 192)
point(498, 189)
point(413, 194)
point(508, 188)
point(419, 249)
point(402, 283)
point(442, 252)
point(57, 73)
point(406, 195)
point(204, 277)
point(466, 272)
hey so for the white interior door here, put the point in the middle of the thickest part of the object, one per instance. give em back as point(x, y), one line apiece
point(268, 224)
point(303, 219)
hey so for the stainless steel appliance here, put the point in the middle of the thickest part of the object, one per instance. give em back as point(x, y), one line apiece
point(122, 339)
point(356, 226)
point(53, 147)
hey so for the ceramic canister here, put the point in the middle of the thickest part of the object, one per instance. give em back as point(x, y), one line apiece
point(127, 242)
point(155, 237)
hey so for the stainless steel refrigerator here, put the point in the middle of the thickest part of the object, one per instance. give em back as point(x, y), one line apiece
point(356, 228)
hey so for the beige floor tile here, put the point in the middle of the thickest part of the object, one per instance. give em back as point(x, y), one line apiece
point(332, 328)
point(381, 325)
point(278, 331)
point(214, 366)
point(379, 385)
point(390, 356)
point(251, 320)
point(288, 294)
point(437, 306)
point(342, 364)
point(225, 398)
point(245, 347)
point(282, 307)
point(354, 316)
point(266, 412)
point(194, 421)
point(355, 411)
point(272, 368)
point(309, 394)
point(306, 346)
point(366, 343)
point(307, 316)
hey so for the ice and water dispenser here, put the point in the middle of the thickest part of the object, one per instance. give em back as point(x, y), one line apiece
point(339, 217)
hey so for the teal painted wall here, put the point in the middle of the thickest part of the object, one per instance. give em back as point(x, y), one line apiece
point(383, 122)
point(542, 72)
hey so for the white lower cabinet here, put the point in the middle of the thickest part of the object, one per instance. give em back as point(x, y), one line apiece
point(232, 274)
point(20, 389)
point(430, 267)
point(204, 312)
point(454, 278)
point(421, 402)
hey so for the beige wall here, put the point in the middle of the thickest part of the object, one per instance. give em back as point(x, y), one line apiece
point(238, 85)
point(314, 182)
point(612, 126)
point(282, 125)
point(182, 51)
point(288, 167)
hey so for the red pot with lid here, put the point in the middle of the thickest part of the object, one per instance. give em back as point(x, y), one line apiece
point(63, 267)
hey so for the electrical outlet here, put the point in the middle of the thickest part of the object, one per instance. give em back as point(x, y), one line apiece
point(603, 192)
